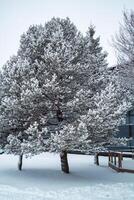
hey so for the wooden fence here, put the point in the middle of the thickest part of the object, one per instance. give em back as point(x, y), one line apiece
point(115, 160)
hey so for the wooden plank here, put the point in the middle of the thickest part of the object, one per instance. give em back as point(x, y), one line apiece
point(125, 155)
point(114, 167)
point(127, 170)
point(118, 169)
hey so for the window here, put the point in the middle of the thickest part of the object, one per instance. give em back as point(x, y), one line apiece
point(127, 130)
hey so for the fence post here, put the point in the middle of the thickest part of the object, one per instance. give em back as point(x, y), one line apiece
point(119, 160)
point(115, 159)
point(109, 156)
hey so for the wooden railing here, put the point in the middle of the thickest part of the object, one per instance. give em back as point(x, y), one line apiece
point(115, 160)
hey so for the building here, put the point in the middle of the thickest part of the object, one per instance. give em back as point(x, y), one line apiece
point(127, 129)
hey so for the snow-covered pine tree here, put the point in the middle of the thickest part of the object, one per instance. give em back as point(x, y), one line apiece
point(55, 70)
point(59, 77)
point(94, 83)
point(11, 113)
point(100, 100)
point(66, 88)
point(18, 107)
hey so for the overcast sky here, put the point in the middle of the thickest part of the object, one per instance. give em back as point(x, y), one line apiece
point(17, 15)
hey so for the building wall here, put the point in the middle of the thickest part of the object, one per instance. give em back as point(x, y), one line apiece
point(127, 130)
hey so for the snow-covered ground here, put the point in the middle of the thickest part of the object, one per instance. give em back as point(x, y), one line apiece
point(128, 163)
point(42, 179)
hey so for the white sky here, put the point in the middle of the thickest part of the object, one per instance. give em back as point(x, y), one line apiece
point(17, 15)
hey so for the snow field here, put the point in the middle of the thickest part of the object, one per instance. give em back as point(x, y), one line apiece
point(42, 179)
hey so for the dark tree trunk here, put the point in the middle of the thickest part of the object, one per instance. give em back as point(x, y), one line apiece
point(20, 162)
point(96, 159)
point(59, 115)
point(64, 162)
point(63, 154)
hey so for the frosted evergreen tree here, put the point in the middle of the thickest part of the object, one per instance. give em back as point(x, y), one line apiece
point(18, 108)
point(56, 75)
point(60, 90)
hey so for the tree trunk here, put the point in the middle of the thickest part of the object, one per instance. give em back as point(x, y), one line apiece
point(96, 159)
point(64, 162)
point(20, 162)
